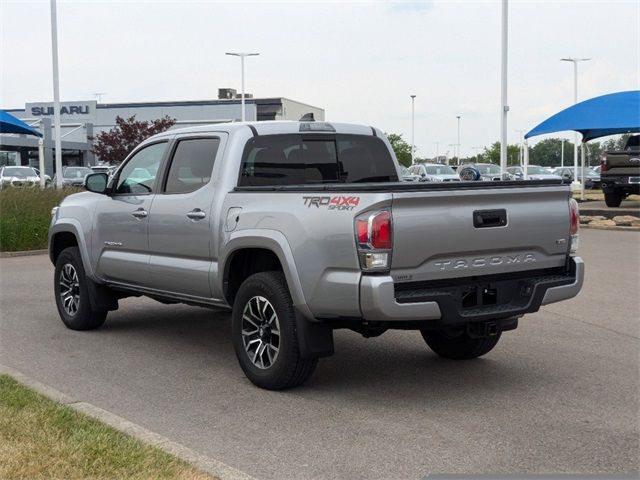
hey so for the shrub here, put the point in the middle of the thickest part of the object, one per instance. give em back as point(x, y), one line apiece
point(25, 214)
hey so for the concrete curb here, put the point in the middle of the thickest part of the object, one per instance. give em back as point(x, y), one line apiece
point(25, 253)
point(201, 462)
point(612, 227)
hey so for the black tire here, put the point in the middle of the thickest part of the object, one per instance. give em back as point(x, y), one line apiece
point(84, 317)
point(458, 346)
point(613, 198)
point(283, 369)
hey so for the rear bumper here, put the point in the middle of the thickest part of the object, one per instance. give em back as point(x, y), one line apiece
point(627, 183)
point(469, 299)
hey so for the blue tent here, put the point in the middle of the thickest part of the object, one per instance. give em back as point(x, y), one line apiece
point(11, 124)
point(597, 117)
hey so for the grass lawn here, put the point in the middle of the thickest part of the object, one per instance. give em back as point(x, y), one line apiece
point(41, 439)
point(25, 214)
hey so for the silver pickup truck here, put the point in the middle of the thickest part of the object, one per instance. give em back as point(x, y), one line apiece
point(301, 228)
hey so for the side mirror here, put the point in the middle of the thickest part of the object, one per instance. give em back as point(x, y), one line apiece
point(518, 174)
point(423, 174)
point(566, 175)
point(96, 182)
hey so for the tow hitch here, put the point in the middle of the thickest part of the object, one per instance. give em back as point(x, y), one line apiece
point(482, 329)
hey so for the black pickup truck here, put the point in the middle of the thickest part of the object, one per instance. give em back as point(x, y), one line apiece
point(620, 172)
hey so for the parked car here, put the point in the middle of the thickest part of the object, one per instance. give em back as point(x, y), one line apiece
point(301, 228)
point(47, 178)
point(591, 177)
point(534, 172)
point(18, 177)
point(407, 176)
point(620, 172)
point(74, 176)
point(434, 172)
point(481, 172)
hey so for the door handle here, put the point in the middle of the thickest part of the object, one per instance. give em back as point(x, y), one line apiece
point(140, 213)
point(196, 214)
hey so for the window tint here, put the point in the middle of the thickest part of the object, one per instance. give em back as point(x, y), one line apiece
point(191, 165)
point(365, 159)
point(298, 160)
point(139, 173)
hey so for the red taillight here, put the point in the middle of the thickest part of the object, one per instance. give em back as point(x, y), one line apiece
point(603, 165)
point(574, 213)
point(362, 230)
point(374, 234)
point(381, 231)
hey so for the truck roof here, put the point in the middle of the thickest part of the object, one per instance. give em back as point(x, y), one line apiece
point(275, 127)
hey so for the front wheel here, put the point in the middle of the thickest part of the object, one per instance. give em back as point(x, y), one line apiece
point(458, 345)
point(264, 333)
point(72, 293)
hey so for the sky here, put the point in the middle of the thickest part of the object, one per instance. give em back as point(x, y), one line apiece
point(360, 61)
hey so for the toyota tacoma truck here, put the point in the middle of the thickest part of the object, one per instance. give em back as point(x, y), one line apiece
point(301, 228)
point(620, 172)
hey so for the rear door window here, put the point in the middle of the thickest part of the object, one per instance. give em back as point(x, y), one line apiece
point(191, 165)
point(296, 159)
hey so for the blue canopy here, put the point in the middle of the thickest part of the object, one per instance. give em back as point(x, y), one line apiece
point(11, 124)
point(597, 117)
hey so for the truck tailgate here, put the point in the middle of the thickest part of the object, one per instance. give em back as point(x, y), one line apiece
point(452, 232)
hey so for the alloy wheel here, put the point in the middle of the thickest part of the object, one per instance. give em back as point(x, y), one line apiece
point(260, 332)
point(69, 289)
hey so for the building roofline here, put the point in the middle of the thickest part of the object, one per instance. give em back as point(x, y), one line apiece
point(189, 103)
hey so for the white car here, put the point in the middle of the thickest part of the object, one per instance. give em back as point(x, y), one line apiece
point(434, 172)
point(534, 172)
point(19, 177)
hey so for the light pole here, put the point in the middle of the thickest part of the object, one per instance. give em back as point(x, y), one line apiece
point(437, 151)
point(562, 153)
point(413, 126)
point(575, 100)
point(242, 55)
point(458, 117)
point(503, 87)
point(477, 149)
point(520, 145)
point(56, 94)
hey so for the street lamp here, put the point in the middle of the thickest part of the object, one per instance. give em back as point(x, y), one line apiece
point(458, 117)
point(575, 100)
point(56, 95)
point(437, 144)
point(242, 55)
point(413, 126)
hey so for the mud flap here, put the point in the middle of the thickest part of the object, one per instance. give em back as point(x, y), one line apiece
point(102, 298)
point(315, 339)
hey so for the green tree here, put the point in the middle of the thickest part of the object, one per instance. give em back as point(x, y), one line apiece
point(548, 153)
point(492, 154)
point(401, 148)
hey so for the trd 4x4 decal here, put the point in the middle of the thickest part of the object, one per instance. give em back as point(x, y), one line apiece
point(338, 202)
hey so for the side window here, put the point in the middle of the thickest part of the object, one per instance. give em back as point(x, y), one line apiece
point(191, 165)
point(139, 174)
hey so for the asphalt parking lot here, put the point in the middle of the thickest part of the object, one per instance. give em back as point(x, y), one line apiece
point(560, 394)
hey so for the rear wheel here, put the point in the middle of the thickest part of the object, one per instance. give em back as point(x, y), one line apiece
point(458, 345)
point(72, 293)
point(264, 333)
point(613, 198)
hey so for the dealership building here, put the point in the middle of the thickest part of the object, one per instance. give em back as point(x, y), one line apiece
point(81, 120)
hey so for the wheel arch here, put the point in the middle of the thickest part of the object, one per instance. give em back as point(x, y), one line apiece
point(66, 234)
point(268, 246)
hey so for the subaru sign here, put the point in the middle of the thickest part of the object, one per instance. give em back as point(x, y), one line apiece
point(85, 111)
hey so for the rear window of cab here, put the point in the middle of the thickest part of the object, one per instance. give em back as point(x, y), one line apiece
point(299, 159)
